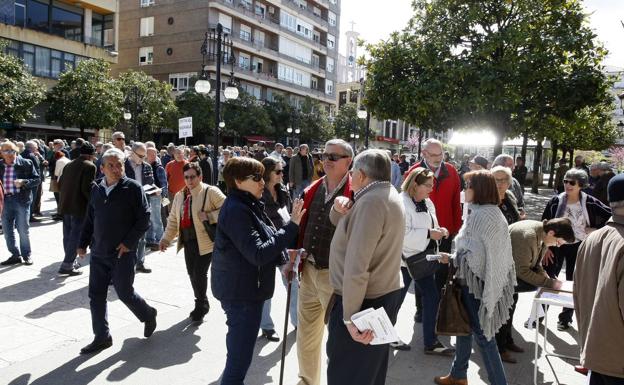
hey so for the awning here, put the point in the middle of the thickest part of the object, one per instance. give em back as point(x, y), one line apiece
point(258, 138)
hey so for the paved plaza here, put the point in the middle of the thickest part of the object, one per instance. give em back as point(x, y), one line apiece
point(45, 320)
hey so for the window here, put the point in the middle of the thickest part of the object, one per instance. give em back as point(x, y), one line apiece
point(28, 52)
point(304, 29)
point(260, 10)
point(68, 62)
point(331, 17)
point(257, 64)
point(245, 4)
point(292, 75)
point(226, 22)
point(316, 36)
point(42, 61)
point(331, 41)
point(244, 61)
point(20, 13)
point(287, 20)
point(97, 29)
point(179, 82)
point(57, 63)
point(147, 3)
point(330, 65)
point(295, 50)
point(329, 87)
point(332, 1)
point(245, 32)
point(259, 38)
point(252, 90)
point(147, 26)
point(109, 31)
point(146, 55)
point(302, 4)
point(314, 83)
point(316, 11)
point(67, 23)
point(37, 15)
point(315, 60)
point(12, 48)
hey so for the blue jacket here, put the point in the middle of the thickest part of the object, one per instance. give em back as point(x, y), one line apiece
point(247, 249)
point(121, 217)
point(24, 169)
point(148, 174)
point(597, 212)
point(160, 177)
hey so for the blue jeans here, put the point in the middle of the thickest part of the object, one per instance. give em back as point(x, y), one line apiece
point(243, 321)
point(267, 323)
point(155, 231)
point(140, 251)
point(16, 215)
point(72, 225)
point(430, 299)
point(488, 348)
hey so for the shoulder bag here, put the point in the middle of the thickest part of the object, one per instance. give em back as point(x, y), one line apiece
point(452, 318)
point(417, 264)
point(211, 229)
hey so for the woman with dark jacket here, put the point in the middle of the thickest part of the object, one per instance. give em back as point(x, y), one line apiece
point(586, 214)
point(277, 204)
point(247, 249)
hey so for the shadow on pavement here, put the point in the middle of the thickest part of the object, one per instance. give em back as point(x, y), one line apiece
point(34, 287)
point(64, 302)
point(166, 348)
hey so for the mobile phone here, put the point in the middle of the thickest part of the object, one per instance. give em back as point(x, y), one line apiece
point(433, 257)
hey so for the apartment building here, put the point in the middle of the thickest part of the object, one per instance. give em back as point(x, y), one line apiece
point(53, 36)
point(279, 47)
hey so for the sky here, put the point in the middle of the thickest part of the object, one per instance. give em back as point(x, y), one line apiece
point(376, 19)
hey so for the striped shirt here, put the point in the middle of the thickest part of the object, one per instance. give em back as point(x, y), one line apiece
point(9, 179)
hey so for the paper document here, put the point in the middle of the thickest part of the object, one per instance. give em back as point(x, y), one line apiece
point(151, 189)
point(378, 321)
point(565, 299)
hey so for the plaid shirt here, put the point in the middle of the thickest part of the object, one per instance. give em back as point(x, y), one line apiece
point(9, 179)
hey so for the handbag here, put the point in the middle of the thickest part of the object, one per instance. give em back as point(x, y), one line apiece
point(452, 318)
point(418, 266)
point(210, 228)
point(54, 186)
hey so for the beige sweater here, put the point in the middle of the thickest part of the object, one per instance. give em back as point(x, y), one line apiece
point(214, 201)
point(528, 250)
point(365, 254)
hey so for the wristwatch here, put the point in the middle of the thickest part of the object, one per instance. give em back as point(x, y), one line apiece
point(347, 322)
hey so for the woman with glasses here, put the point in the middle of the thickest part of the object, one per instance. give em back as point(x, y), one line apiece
point(586, 214)
point(247, 249)
point(277, 205)
point(422, 236)
point(192, 205)
point(487, 274)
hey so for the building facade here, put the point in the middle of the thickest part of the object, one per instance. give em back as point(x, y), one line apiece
point(279, 47)
point(53, 36)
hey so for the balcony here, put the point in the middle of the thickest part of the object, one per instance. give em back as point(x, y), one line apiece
point(306, 12)
point(269, 22)
point(273, 50)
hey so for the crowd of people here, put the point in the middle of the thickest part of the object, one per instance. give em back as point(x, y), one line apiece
point(366, 225)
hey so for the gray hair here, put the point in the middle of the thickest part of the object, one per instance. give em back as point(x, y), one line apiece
point(578, 175)
point(431, 142)
point(150, 144)
point(32, 143)
point(502, 159)
point(106, 147)
point(118, 134)
point(346, 147)
point(375, 164)
point(138, 145)
point(504, 170)
point(113, 153)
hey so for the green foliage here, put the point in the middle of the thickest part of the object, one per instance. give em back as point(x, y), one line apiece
point(86, 97)
point(245, 116)
point(153, 97)
point(19, 90)
point(201, 108)
point(314, 121)
point(506, 65)
point(282, 115)
point(347, 122)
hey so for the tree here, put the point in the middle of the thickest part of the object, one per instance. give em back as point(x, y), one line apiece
point(314, 122)
point(201, 108)
point(244, 116)
point(347, 122)
point(282, 115)
point(151, 96)
point(19, 90)
point(87, 97)
point(465, 64)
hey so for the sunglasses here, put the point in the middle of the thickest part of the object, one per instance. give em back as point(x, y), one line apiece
point(570, 182)
point(9, 152)
point(333, 157)
point(278, 172)
point(139, 155)
point(120, 139)
point(190, 177)
point(254, 177)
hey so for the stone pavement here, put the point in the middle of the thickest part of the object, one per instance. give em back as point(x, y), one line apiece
point(45, 320)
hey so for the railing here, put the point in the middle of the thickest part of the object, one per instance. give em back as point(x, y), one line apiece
point(308, 12)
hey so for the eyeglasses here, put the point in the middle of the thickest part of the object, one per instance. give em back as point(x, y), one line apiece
point(254, 177)
point(119, 139)
point(429, 185)
point(278, 172)
point(333, 157)
point(9, 152)
point(435, 155)
point(501, 181)
point(190, 177)
point(570, 182)
point(139, 155)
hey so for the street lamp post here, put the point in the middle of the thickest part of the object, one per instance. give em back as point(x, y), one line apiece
point(202, 86)
point(293, 134)
point(355, 138)
point(363, 114)
point(133, 101)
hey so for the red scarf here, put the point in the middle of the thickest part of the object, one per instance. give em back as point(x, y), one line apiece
point(186, 222)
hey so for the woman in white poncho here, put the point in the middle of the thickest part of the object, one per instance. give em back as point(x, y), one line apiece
point(486, 271)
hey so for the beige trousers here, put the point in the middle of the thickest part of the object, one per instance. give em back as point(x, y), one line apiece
point(314, 294)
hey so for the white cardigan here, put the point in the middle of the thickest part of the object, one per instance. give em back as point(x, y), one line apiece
point(417, 226)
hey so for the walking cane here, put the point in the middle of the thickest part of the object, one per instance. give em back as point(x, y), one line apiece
point(292, 256)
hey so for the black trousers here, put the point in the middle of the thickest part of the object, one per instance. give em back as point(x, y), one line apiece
point(197, 269)
point(504, 337)
point(351, 362)
point(602, 379)
point(442, 274)
point(563, 253)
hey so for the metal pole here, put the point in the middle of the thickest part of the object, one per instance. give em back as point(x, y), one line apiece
point(215, 151)
point(366, 134)
point(136, 111)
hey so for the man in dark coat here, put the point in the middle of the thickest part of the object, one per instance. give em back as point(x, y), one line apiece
point(74, 191)
point(19, 179)
point(118, 215)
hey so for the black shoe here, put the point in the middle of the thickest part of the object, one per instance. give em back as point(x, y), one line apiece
point(563, 325)
point(400, 345)
point(439, 349)
point(33, 219)
point(57, 217)
point(70, 272)
point(143, 269)
point(27, 261)
point(418, 316)
point(150, 324)
point(270, 335)
point(14, 260)
point(97, 346)
point(201, 309)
